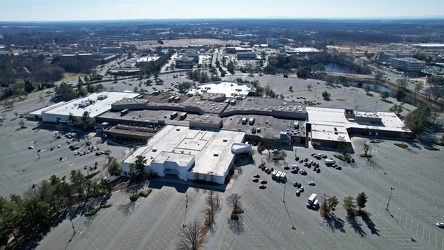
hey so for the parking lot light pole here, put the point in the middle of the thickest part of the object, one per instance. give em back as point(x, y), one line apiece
point(186, 207)
point(283, 199)
point(388, 202)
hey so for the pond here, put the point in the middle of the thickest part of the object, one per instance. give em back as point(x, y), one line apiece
point(337, 68)
point(379, 88)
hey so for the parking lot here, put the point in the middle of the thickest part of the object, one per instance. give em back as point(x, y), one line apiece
point(274, 218)
point(31, 155)
point(414, 208)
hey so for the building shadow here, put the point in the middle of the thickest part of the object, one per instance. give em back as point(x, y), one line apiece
point(355, 225)
point(334, 223)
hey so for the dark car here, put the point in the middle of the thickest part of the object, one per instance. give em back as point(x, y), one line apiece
point(338, 168)
point(262, 186)
point(263, 181)
point(318, 170)
point(298, 193)
point(295, 184)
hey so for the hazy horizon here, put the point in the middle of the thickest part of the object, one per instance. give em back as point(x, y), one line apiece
point(126, 10)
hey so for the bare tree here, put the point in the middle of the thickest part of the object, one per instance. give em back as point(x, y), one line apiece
point(418, 87)
point(309, 87)
point(234, 200)
point(402, 82)
point(41, 98)
point(22, 123)
point(189, 238)
point(366, 147)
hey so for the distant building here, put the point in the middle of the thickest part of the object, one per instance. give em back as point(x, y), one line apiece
point(246, 55)
point(68, 58)
point(408, 64)
point(184, 62)
point(111, 50)
point(272, 42)
point(146, 60)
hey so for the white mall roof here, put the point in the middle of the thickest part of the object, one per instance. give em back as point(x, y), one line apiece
point(211, 149)
point(96, 108)
point(230, 89)
point(336, 117)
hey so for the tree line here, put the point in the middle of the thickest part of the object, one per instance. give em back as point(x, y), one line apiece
point(23, 217)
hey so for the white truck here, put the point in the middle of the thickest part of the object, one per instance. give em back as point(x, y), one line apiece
point(311, 199)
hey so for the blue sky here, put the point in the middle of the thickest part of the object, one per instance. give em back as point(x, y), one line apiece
point(67, 10)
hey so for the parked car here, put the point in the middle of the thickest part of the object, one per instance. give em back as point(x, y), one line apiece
point(295, 184)
point(263, 181)
point(301, 189)
point(256, 176)
point(318, 170)
point(30, 147)
point(338, 168)
point(262, 186)
point(301, 160)
point(440, 224)
point(311, 183)
point(303, 172)
point(255, 180)
point(286, 167)
point(298, 193)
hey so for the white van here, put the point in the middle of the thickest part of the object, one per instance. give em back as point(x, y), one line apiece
point(283, 176)
point(311, 199)
point(315, 204)
point(329, 162)
point(273, 175)
point(278, 175)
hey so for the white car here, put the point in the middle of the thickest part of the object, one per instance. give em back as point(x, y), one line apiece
point(440, 224)
point(30, 147)
point(311, 183)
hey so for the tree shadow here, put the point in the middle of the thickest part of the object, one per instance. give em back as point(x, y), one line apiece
point(68, 214)
point(370, 224)
point(236, 225)
point(335, 224)
point(357, 227)
point(126, 208)
point(373, 164)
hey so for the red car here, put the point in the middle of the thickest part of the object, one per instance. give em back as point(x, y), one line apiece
point(262, 186)
point(286, 167)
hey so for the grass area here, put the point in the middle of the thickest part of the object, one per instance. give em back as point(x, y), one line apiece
point(143, 193)
point(340, 157)
point(261, 165)
point(96, 209)
point(401, 145)
point(431, 148)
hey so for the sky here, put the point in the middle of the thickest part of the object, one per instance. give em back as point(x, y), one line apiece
point(83, 10)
